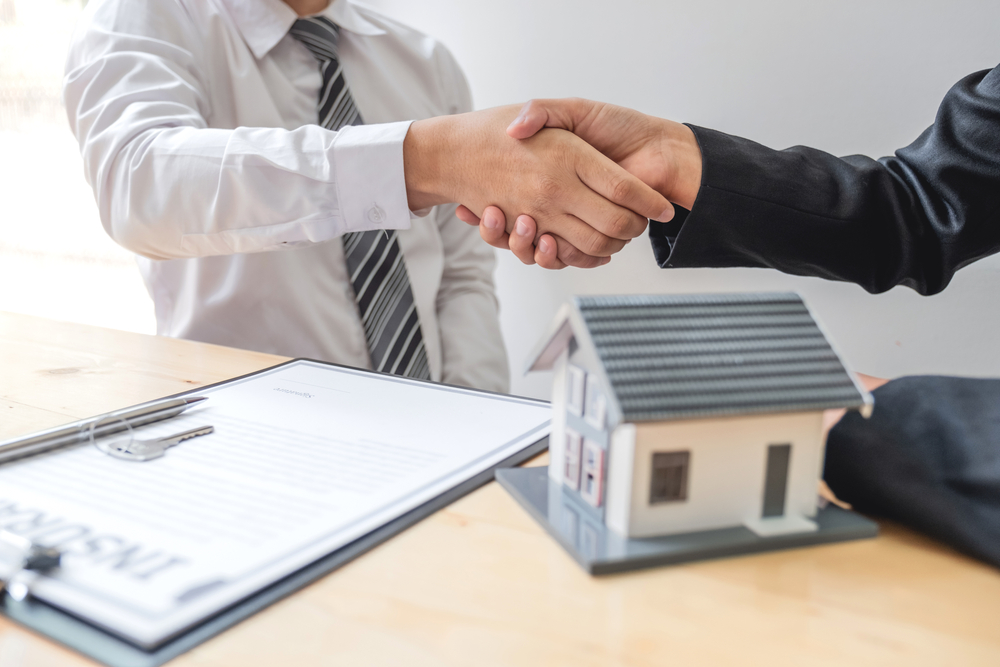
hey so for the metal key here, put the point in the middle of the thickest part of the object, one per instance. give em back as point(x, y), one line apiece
point(153, 448)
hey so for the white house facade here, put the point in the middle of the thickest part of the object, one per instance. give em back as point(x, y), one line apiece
point(676, 414)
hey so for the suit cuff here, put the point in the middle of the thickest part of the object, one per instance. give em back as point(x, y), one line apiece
point(711, 233)
point(371, 183)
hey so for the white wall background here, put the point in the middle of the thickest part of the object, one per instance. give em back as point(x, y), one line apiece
point(849, 76)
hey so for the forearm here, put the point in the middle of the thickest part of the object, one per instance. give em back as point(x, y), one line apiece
point(912, 219)
point(683, 176)
point(189, 192)
point(424, 161)
point(442, 155)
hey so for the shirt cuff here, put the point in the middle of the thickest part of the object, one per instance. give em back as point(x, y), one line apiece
point(371, 183)
point(663, 236)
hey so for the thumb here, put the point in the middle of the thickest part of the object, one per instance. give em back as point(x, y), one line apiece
point(565, 114)
point(620, 187)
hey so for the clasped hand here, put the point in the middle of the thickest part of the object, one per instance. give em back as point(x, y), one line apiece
point(570, 190)
point(546, 225)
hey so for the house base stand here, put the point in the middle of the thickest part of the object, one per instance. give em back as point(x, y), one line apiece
point(600, 550)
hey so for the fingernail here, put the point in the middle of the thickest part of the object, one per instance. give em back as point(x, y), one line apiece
point(492, 222)
point(545, 245)
point(666, 216)
point(520, 228)
point(516, 121)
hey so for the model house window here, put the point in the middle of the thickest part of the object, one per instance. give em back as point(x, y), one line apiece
point(669, 477)
point(592, 473)
point(576, 379)
point(571, 466)
point(595, 410)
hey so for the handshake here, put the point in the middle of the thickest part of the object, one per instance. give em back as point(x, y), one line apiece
point(558, 182)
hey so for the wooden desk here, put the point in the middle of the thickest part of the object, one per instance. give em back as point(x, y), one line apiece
point(479, 583)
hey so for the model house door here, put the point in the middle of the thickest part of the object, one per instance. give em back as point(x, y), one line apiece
point(776, 480)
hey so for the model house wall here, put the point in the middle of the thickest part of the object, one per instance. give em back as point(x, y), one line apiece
point(557, 436)
point(581, 427)
point(726, 471)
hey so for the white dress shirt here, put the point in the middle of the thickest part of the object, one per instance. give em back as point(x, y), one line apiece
point(197, 124)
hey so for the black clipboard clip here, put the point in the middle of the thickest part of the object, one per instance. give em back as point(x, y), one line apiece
point(20, 560)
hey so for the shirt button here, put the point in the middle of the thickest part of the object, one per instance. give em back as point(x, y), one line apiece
point(376, 215)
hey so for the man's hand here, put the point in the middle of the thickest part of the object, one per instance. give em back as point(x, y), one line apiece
point(566, 186)
point(524, 241)
point(662, 153)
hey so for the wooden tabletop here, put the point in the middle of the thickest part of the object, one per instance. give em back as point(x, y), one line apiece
point(480, 583)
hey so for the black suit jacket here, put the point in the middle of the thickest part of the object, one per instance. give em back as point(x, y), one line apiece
point(912, 219)
point(930, 454)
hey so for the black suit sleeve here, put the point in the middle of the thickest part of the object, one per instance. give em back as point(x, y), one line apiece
point(929, 457)
point(912, 219)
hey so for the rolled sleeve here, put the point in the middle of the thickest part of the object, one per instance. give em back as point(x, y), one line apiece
point(371, 182)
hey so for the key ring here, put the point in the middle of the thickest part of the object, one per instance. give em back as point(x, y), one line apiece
point(112, 435)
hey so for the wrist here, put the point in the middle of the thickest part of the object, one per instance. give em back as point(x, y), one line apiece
point(427, 151)
point(680, 143)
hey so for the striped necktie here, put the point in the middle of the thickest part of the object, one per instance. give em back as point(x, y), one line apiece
point(374, 260)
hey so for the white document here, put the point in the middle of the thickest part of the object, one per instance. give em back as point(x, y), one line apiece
point(305, 458)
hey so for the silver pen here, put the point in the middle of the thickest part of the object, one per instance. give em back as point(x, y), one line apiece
point(71, 434)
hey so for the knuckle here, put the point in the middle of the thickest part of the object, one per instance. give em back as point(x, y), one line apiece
point(525, 254)
point(520, 247)
point(546, 188)
point(497, 240)
point(621, 189)
point(620, 225)
point(547, 262)
point(569, 254)
point(597, 244)
point(610, 247)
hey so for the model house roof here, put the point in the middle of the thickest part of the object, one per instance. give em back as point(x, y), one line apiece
point(682, 356)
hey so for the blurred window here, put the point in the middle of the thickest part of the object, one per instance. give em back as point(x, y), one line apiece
point(55, 259)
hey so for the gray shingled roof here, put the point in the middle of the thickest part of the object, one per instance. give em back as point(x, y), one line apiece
point(670, 357)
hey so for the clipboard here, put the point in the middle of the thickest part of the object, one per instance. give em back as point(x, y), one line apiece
point(93, 642)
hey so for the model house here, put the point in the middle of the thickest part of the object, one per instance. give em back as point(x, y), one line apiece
point(675, 414)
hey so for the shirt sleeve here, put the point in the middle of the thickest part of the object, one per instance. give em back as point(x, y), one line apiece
point(168, 186)
point(910, 219)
